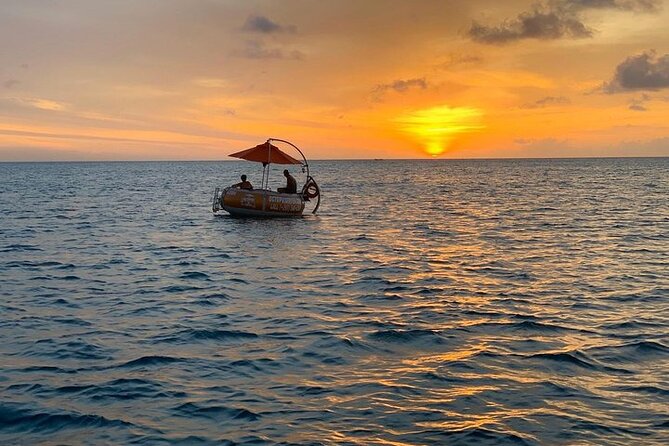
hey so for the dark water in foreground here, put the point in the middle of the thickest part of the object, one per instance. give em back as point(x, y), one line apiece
point(456, 302)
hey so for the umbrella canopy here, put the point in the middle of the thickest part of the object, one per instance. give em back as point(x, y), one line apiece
point(266, 153)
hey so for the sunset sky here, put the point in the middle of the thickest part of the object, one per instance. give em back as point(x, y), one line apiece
point(198, 79)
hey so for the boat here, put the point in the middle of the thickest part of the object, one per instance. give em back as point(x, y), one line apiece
point(264, 202)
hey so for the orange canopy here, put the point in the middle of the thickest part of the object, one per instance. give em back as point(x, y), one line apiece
point(266, 153)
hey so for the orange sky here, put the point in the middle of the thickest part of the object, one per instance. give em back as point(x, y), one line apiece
point(198, 79)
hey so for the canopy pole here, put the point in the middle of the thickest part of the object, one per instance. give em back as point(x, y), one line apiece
point(262, 181)
point(269, 157)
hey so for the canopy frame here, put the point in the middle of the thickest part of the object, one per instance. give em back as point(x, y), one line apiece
point(264, 184)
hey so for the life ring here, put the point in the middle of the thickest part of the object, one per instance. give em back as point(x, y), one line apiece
point(311, 189)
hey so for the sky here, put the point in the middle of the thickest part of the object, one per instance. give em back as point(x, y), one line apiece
point(345, 79)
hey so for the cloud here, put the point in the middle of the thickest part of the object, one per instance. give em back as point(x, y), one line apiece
point(639, 104)
point(537, 24)
point(228, 112)
point(211, 82)
point(398, 86)
point(42, 104)
point(255, 49)
point(461, 60)
point(263, 25)
point(11, 83)
point(554, 20)
point(542, 145)
point(623, 5)
point(645, 71)
point(651, 147)
point(547, 101)
point(18, 154)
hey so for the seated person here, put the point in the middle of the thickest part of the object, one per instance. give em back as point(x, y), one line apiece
point(291, 184)
point(244, 184)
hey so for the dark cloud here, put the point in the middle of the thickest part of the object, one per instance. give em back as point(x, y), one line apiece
point(456, 60)
point(255, 49)
point(554, 20)
point(623, 5)
point(645, 71)
point(547, 101)
point(399, 86)
point(543, 25)
point(639, 104)
point(11, 83)
point(261, 24)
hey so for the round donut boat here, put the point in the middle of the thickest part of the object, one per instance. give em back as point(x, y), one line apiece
point(264, 202)
point(260, 203)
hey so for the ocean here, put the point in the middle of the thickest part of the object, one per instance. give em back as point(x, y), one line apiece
point(486, 302)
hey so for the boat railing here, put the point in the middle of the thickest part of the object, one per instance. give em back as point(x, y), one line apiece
point(216, 203)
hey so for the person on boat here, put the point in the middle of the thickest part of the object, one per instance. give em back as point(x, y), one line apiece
point(244, 184)
point(291, 184)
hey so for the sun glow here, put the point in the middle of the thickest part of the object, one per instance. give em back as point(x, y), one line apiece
point(436, 127)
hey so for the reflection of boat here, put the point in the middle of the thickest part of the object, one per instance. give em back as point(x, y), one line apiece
point(264, 202)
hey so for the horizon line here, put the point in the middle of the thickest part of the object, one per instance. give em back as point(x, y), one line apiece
point(333, 159)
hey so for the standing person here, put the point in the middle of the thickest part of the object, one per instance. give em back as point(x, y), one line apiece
point(244, 184)
point(291, 184)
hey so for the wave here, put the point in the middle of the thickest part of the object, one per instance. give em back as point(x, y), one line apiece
point(191, 335)
point(151, 360)
point(117, 389)
point(331, 342)
point(476, 435)
point(215, 412)
point(195, 275)
point(30, 264)
point(179, 288)
point(46, 369)
point(577, 359)
point(18, 247)
point(630, 325)
point(16, 418)
point(412, 336)
point(631, 352)
point(522, 326)
point(214, 296)
point(641, 389)
point(647, 347)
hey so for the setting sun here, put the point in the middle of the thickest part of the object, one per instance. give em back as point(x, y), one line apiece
point(436, 127)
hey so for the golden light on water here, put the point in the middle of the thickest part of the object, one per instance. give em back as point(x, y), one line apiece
point(435, 128)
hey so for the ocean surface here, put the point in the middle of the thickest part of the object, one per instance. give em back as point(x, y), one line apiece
point(506, 302)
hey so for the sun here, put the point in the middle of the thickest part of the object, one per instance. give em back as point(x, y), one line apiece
point(435, 128)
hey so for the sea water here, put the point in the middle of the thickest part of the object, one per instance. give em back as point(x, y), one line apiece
point(428, 302)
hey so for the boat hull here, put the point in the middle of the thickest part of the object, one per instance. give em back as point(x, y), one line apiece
point(260, 203)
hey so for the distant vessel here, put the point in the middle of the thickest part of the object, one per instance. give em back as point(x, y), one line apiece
point(264, 202)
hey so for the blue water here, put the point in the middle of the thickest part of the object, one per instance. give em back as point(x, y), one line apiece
point(518, 302)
